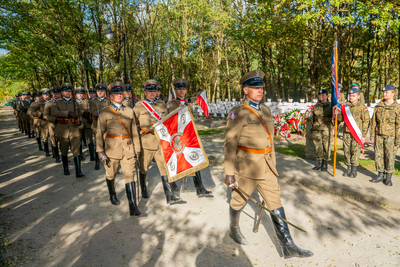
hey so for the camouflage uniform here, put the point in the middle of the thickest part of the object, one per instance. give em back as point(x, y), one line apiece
point(385, 130)
point(321, 119)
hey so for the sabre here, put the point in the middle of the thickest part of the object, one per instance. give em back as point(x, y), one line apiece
point(257, 225)
point(98, 116)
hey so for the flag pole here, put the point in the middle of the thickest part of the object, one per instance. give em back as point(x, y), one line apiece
point(337, 96)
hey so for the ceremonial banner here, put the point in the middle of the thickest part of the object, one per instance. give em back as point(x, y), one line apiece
point(202, 101)
point(180, 144)
point(352, 125)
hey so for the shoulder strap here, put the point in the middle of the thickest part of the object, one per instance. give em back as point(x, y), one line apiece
point(123, 124)
point(262, 122)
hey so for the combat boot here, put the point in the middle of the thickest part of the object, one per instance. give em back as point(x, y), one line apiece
point(130, 193)
point(65, 165)
point(111, 189)
point(91, 151)
point(169, 194)
point(28, 133)
point(353, 173)
point(97, 162)
point(377, 179)
point(319, 165)
point(198, 183)
point(81, 157)
point(78, 172)
point(39, 143)
point(56, 154)
point(348, 171)
point(289, 248)
point(46, 148)
point(388, 179)
point(143, 185)
point(324, 167)
point(235, 233)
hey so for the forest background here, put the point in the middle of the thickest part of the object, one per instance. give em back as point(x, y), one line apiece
point(210, 43)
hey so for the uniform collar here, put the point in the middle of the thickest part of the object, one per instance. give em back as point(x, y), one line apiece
point(255, 105)
point(127, 98)
point(67, 100)
point(101, 99)
point(151, 102)
point(181, 100)
point(157, 98)
point(115, 107)
point(80, 99)
point(91, 99)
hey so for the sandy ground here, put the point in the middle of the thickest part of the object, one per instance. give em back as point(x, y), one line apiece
point(57, 220)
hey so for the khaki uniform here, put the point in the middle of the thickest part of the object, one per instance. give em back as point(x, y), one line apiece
point(66, 129)
point(128, 102)
point(23, 106)
point(149, 142)
point(86, 126)
point(96, 106)
point(17, 117)
point(117, 143)
point(321, 120)
point(245, 135)
point(51, 121)
point(37, 112)
point(385, 130)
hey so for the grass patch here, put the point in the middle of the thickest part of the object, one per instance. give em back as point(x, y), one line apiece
point(296, 150)
point(211, 131)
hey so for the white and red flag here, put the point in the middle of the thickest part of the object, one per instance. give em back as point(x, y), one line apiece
point(352, 125)
point(202, 101)
point(180, 144)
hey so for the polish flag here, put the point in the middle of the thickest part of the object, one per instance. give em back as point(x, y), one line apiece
point(202, 101)
point(170, 97)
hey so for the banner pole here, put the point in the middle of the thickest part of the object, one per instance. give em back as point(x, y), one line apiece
point(337, 96)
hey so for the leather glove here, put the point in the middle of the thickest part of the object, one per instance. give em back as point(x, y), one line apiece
point(231, 181)
point(103, 157)
point(72, 115)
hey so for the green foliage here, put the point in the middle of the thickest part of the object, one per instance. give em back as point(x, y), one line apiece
point(211, 131)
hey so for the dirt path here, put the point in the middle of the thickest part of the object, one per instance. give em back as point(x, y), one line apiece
point(57, 220)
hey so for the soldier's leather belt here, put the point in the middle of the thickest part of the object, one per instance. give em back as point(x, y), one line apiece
point(122, 136)
point(66, 120)
point(36, 117)
point(95, 118)
point(255, 151)
point(146, 131)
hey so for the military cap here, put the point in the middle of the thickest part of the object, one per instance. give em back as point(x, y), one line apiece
point(339, 85)
point(116, 87)
point(355, 85)
point(253, 79)
point(101, 86)
point(180, 83)
point(150, 85)
point(159, 88)
point(80, 90)
point(388, 87)
point(38, 94)
point(128, 87)
point(26, 93)
point(17, 95)
point(323, 91)
point(354, 90)
point(92, 91)
point(55, 89)
point(66, 87)
point(45, 91)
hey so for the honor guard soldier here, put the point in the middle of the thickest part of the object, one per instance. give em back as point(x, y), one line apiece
point(385, 130)
point(51, 122)
point(95, 107)
point(250, 162)
point(92, 94)
point(159, 91)
point(67, 130)
point(128, 100)
point(147, 113)
point(36, 122)
point(117, 141)
point(23, 106)
point(360, 116)
point(362, 100)
point(17, 118)
point(19, 112)
point(321, 120)
point(180, 86)
point(86, 127)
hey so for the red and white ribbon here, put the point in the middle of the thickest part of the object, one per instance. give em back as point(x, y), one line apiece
point(352, 125)
point(154, 113)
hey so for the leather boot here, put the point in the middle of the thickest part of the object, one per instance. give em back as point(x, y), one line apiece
point(53, 153)
point(175, 188)
point(130, 193)
point(289, 248)
point(81, 157)
point(91, 151)
point(319, 165)
point(198, 183)
point(33, 134)
point(348, 171)
point(97, 162)
point(28, 133)
point(235, 234)
point(84, 139)
point(388, 179)
point(324, 167)
point(78, 172)
point(56, 154)
point(353, 173)
point(46, 149)
point(111, 190)
point(377, 179)
point(39, 143)
point(65, 165)
point(169, 194)
point(143, 185)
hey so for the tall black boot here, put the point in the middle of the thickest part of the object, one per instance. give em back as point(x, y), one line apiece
point(378, 179)
point(33, 134)
point(143, 185)
point(169, 194)
point(319, 165)
point(289, 248)
point(235, 234)
point(53, 153)
point(97, 162)
point(81, 157)
point(39, 143)
point(175, 188)
point(28, 133)
point(78, 172)
point(111, 189)
point(46, 148)
point(65, 165)
point(353, 173)
point(57, 154)
point(84, 139)
point(388, 179)
point(198, 183)
point(324, 167)
point(348, 171)
point(130, 193)
point(91, 152)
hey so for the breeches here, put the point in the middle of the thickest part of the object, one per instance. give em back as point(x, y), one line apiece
point(146, 156)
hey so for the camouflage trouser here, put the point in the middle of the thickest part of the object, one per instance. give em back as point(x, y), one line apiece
point(351, 149)
point(385, 153)
point(322, 143)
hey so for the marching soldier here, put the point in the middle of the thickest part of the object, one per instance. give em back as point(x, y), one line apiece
point(86, 127)
point(67, 130)
point(23, 106)
point(16, 112)
point(128, 100)
point(95, 107)
point(250, 162)
point(180, 91)
point(351, 148)
point(36, 119)
point(321, 120)
point(92, 94)
point(385, 130)
point(117, 141)
point(148, 112)
point(51, 122)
